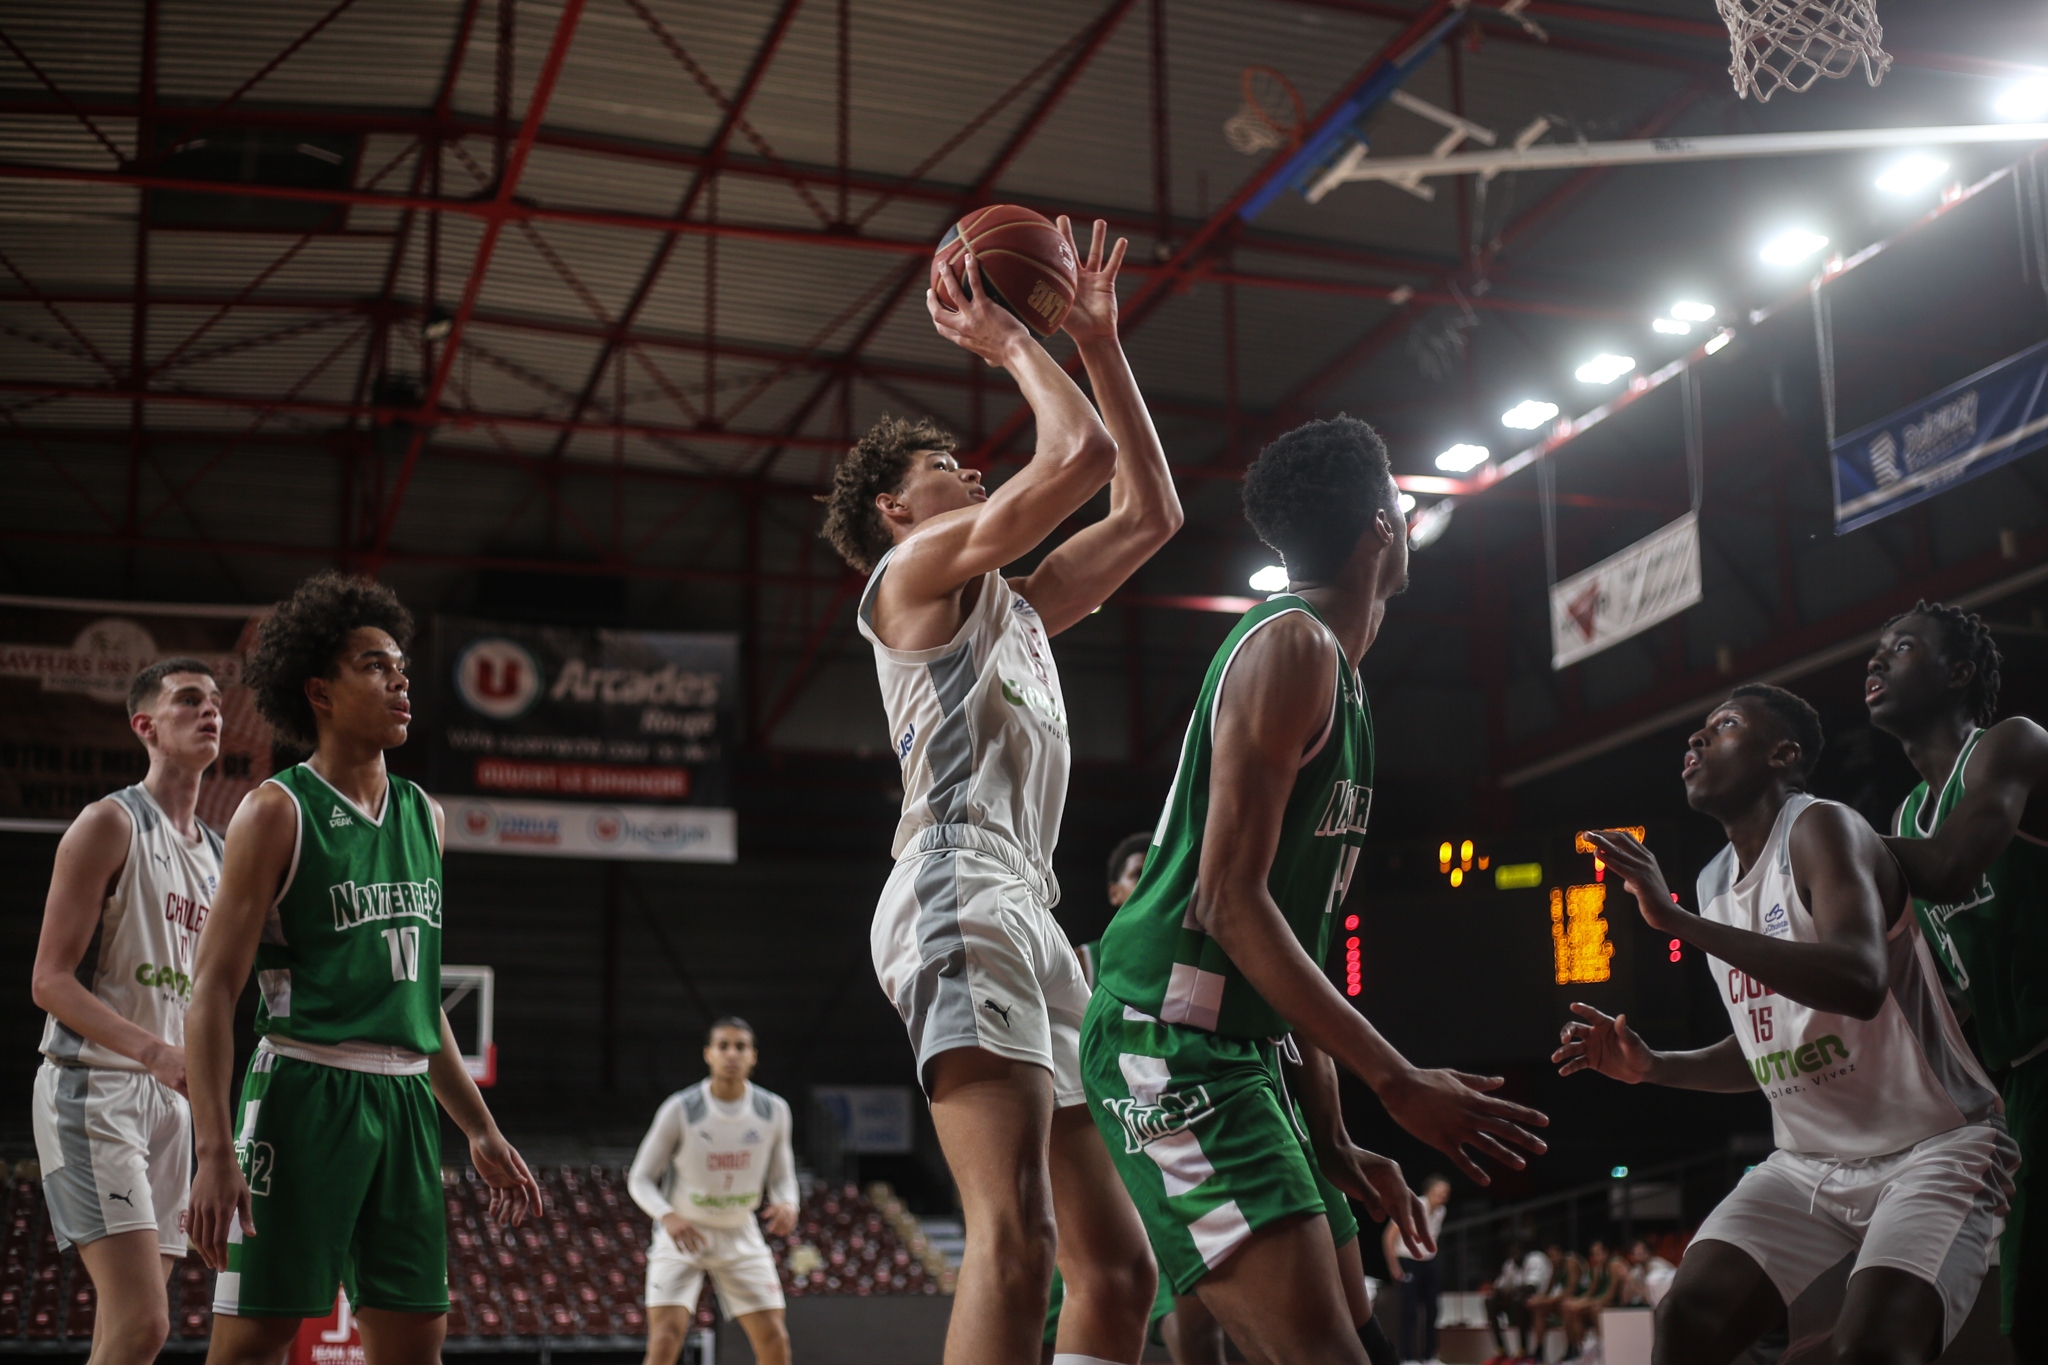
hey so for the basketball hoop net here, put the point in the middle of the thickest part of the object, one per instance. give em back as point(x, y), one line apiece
point(1270, 116)
point(1790, 44)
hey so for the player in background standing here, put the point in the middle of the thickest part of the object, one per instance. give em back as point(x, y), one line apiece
point(1890, 1144)
point(1414, 1268)
point(1973, 840)
point(964, 941)
point(714, 1152)
point(331, 887)
point(1217, 953)
point(112, 1129)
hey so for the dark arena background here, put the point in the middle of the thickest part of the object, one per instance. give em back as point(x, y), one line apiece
point(555, 315)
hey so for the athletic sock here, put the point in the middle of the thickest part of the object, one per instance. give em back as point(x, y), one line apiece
point(1377, 1347)
point(1076, 1358)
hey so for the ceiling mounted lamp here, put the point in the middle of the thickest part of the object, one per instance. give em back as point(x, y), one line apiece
point(1528, 414)
point(1670, 327)
point(1463, 458)
point(1687, 310)
point(1911, 174)
point(1791, 247)
point(2024, 101)
point(1604, 369)
point(1272, 578)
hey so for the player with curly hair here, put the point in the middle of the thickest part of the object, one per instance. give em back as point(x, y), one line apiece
point(1973, 839)
point(1215, 956)
point(964, 941)
point(331, 889)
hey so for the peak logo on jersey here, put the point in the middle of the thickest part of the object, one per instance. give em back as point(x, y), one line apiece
point(338, 818)
point(356, 905)
point(1173, 1112)
point(1349, 808)
point(1804, 1060)
point(497, 677)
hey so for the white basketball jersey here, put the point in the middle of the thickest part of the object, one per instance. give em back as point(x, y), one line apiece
point(979, 725)
point(148, 930)
point(711, 1162)
point(1840, 1086)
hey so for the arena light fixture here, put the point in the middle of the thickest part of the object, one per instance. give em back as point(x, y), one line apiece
point(2024, 101)
point(1407, 503)
point(1689, 310)
point(1463, 458)
point(1718, 340)
point(1618, 1173)
point(1670, 327)
point(1272, 578)
point(1791, 247)
point(1528, 414)
point(1910, 174)
point(1605, 369)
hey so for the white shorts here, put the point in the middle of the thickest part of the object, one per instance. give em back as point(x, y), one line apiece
point(1933, 1211)
point(742, 1270)
point(116, 1152)
point(967, 949)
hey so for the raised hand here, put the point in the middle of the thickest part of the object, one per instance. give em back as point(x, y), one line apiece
point(1596, 1042)
point(1093, 316)
point(973, 321)
point(1637, 867)
point(1451, 1111)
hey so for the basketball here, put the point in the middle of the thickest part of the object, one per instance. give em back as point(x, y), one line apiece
point(1025, 261)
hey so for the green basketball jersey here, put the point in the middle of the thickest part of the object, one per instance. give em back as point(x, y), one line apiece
point(1154, 958)
point(352, 953)
point(1994, 941)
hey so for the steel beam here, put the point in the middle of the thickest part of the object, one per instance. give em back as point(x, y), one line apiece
point(501, 202)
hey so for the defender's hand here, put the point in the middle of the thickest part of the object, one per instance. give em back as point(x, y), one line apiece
point(781, 1219)
point(166, 1062)
point(1093, 316)
point(1451, 1110)
point(514, 1192)
point(1637, 867)
point(686, 1235)
point(219, 1195)
point(978, 324)
point(1606, 1045)
point(1375, 1181)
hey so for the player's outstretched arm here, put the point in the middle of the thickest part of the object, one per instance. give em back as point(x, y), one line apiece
point(89, 858)
point(2008, 770)
point(1144, 509)
point(1075, 455)
point(1606, 1044)
point(1373, 1180)
point(262, 839)
point(1836, 862)
point(514, 1191)
point(1275, 701)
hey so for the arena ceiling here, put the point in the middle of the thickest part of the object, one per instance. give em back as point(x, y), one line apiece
point(519, 293)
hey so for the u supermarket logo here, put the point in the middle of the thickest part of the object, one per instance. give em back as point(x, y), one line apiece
point(497, 677)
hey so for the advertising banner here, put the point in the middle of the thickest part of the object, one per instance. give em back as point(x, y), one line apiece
point(65, 667)
point(1969, 428)
point(573, 743)
point(1626, 593)
point(869, 1118)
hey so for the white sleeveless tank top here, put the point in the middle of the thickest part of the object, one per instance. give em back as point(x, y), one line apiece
point(980, 729)
point(148, 929)
point(1839, 1086)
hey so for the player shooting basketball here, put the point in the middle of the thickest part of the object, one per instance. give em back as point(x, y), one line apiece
point(964, 940)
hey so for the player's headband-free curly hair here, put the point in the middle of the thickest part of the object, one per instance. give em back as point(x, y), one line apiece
point(1796, 717)
point(1314, 490)
point(303, 639)
point(1964, 636)
point(876, 465)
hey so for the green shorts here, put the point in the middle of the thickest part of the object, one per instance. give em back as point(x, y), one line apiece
point(1202, 1131)
point(2023, 1251)
point(344, 1170)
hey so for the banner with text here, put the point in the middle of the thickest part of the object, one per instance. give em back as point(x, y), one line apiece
point(1626, 593)
point(64, 674)
point(585, 743)
point(1969, 428)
